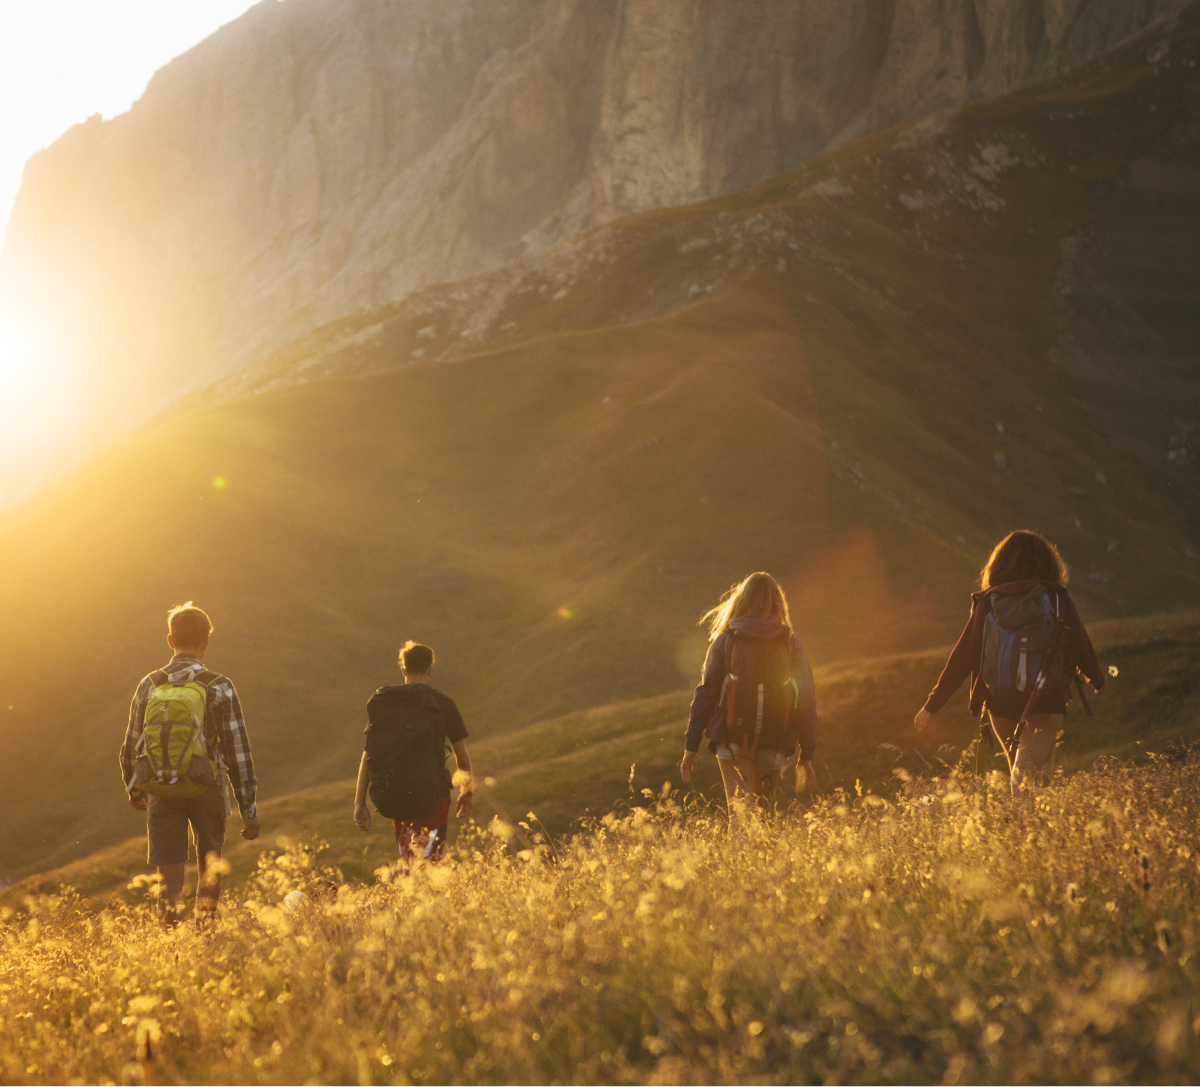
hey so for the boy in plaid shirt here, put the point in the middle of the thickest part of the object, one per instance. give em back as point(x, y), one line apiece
point(167, 820)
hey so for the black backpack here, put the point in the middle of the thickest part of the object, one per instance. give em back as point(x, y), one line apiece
point(406, 751)
point(761, 694)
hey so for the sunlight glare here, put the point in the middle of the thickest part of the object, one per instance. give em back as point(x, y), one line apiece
point(29, 375)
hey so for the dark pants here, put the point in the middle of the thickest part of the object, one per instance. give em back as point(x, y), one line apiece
point(167, 823)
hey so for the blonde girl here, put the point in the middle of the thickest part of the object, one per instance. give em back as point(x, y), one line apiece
point(755, 703)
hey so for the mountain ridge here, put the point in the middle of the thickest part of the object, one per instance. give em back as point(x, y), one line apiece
point(313, 157)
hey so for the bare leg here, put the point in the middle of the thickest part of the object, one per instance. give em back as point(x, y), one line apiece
point(764, 789)
point(404, 836)
point(1003, 728)
point(208, 887)
point(170, 890)
point(738, 778)
point(1035, 745)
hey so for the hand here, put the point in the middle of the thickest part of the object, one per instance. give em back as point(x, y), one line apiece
point(139, 801)
point(922, 719)
point(688, 766)
point(250, 828)
point(465, 801)
point(810, 775)
point(362, 816)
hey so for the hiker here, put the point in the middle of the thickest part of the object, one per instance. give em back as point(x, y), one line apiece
point(185, 733)
point(1023, 645)
point(756, 701)
point(404, 761)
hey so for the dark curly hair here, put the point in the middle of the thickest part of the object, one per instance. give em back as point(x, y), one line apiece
point(1023, 556)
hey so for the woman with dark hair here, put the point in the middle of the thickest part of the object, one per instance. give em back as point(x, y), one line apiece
point(755, 703)
point(1024, 641)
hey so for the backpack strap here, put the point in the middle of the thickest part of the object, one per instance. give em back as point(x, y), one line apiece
point(749, 750)
point(206, 677)
point(157, 679)
point(731, 680)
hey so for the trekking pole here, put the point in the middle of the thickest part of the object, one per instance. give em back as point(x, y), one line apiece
point(1015, 740)
point(986, 732)
point(1008, 756)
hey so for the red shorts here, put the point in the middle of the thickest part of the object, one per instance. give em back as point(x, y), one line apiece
point(435, 818)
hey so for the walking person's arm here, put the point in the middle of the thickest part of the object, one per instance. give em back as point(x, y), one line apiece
point(362, 814)
point(463, 779)
point(805, 718)
point(962, 661)
point(704, 703)
point(133, 733)
point(235, 746)
point(1082, 653)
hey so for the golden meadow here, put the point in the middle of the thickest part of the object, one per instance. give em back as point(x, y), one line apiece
point(946, 933)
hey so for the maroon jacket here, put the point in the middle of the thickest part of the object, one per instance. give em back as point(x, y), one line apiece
point(968, 653)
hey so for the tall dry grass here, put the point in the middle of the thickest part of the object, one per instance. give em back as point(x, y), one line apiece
point(949, 933)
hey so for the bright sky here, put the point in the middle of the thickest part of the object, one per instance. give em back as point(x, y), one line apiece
point(60, 62)
point(63, 60)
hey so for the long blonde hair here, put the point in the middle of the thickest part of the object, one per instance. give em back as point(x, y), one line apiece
point(757, 595)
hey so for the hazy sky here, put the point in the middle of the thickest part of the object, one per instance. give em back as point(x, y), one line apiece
point(60, 62)
point(63, 60)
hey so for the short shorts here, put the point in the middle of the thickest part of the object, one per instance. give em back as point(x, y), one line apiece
point(434, 821)
point(167, 824)
point(766, 760)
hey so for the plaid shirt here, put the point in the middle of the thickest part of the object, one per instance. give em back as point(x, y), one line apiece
point(222, 722)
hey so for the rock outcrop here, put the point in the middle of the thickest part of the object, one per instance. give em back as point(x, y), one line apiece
point(315, 156)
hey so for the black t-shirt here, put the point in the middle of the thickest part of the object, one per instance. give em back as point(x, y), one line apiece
point(452, 720)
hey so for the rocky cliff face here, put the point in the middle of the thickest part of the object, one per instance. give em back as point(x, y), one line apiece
point(316, 156)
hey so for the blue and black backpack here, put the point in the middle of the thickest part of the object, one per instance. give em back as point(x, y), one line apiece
point(1020, 635)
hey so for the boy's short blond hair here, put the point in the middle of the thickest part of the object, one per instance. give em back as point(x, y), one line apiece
point(416, 659)
point(189, 625)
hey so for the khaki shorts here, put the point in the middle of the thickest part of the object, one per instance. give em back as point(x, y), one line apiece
point(167, 824)
point(766, 761)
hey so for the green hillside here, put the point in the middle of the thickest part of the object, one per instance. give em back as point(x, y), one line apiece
point(580, 764)
point(861, 403)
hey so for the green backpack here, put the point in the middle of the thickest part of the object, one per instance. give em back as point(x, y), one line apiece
point(172, 759)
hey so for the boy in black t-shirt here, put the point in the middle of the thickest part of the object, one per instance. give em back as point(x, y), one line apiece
point(416, 662)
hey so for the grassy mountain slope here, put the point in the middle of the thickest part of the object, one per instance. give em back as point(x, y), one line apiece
point(581, 763)
point(861, 403)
